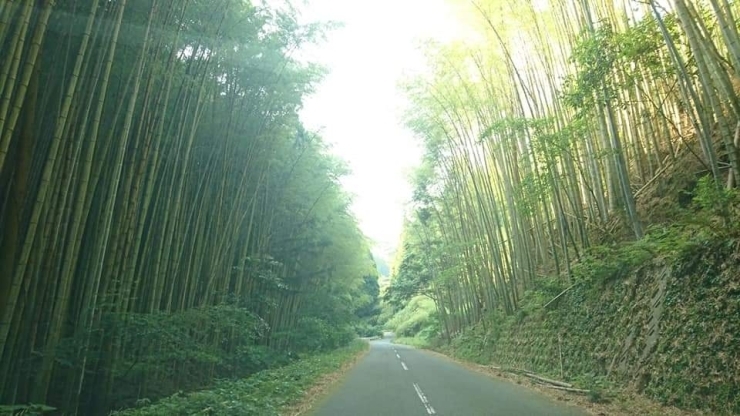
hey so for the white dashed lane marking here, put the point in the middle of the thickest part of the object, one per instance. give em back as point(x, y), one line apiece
point(424, 400)
point(404, 366)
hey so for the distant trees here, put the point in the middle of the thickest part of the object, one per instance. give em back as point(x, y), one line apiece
point(164, 217)
point(541, 133)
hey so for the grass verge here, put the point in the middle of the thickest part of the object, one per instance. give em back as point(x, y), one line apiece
point(288, 390)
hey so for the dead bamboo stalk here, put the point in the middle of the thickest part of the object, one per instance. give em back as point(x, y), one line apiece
point(736, 143)
point(560, 350)
point(570, 389)
point(548, 380)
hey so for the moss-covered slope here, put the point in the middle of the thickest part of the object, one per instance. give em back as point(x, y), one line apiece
point(660, 316)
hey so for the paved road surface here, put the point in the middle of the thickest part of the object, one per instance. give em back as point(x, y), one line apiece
point(399, 380)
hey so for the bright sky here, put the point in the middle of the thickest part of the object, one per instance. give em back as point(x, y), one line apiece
point(358, 108)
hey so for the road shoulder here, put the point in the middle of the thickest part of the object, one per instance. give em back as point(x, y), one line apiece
point(324, 386)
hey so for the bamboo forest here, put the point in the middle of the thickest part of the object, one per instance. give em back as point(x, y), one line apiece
point(175, 240)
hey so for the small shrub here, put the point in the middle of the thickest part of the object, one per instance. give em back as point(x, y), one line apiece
point(264, 393)
point(26, 410)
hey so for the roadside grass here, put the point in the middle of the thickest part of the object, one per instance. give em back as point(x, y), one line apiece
point(287, 390)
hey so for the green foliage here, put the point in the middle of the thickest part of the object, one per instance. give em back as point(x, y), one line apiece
point(411, 279)
point(368, 312)
point(417, 341)
point(544, 290)
point(642, 44)
point(691, 366)
point(313, 335)
point(419, 263)
point(607, 262)
point(595, 54)
point(418, 316)
point(264, 393)
point(474, 343)
point(366, 330)
point(386, 313)
point(692, 233)
point(521, 170)
point(671, 243)
point(225, 338)
point(370, 307)
point(26, 410)
point(714, 198)
point(229, 246)
point(528, 193)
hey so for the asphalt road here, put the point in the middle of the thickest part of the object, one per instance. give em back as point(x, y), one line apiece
point(399, 380)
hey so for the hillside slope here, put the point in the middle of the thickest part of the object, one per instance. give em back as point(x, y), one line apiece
point(665, 327)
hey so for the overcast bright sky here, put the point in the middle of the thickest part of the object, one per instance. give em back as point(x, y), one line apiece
point(358, 108)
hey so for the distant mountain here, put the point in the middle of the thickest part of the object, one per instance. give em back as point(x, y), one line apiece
point(383, 256)
point(384, 270)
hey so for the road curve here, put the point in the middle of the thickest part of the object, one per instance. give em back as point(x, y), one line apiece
point(399, 380)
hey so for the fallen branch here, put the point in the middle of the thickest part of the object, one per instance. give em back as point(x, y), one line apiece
point(655, 177)
point(560, 351)
point(516, 370)
point(570, 389)
point(736, 143)
point(506, 369)
point(548, 380)
point(558, 296)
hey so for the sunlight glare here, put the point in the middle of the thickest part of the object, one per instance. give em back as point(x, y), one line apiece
point(358, 108)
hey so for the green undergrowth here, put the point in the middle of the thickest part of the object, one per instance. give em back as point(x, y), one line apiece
point(418, 315)
point(418, 342)
point(264, 393)
point(416, 324)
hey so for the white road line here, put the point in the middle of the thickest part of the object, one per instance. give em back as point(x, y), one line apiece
point(404, 366)
point(398, 356)
point(424, 400)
